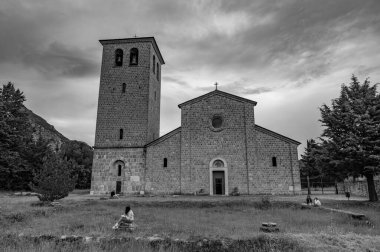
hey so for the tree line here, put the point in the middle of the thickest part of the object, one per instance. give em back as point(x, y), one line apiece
point(27, 162)
point(350, 143)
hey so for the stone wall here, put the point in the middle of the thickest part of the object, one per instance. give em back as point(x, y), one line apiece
point(105, 173)
point(154, 99)
point(160, 179)
point(284, 177)
point(359, 187)
point(201, 144)
point(130, 110)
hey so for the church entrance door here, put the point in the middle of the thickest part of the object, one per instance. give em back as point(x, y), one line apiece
point(118, 187)
point(218, 183)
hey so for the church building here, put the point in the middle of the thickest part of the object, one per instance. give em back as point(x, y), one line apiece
point(218, 148)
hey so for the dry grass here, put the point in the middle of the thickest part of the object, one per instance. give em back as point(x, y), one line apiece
point(188, 218)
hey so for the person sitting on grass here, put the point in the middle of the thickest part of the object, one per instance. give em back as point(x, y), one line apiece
point(309, 201)
point(317, 202)
point(126, 221)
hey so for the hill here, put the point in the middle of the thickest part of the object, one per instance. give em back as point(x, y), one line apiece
point(45, 130)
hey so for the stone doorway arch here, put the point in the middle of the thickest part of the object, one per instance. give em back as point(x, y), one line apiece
point(218, 176)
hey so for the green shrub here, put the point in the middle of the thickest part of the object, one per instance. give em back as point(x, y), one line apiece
point(54, 181)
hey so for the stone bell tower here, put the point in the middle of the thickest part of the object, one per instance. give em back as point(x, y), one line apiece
point(128, 114)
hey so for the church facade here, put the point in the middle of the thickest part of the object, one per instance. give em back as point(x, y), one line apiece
point(217, 149)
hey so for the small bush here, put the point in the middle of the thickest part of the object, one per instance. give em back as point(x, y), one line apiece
point(54, 180)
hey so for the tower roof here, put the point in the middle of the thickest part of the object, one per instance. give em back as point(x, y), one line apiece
point(217, 92)
point(134, 40)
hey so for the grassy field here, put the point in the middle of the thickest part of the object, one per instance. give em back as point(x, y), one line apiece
point(234, 219)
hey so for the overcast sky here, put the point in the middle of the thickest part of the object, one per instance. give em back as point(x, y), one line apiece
point(289, 56)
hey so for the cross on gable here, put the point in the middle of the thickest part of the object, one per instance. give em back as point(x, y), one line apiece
point(216, 85)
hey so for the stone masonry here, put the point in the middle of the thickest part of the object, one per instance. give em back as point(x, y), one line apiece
point(217, 148)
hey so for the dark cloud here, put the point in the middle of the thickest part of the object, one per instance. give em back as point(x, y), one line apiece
point(28, 39)
point(290, 31)
point(255, 49)
point(59, 60)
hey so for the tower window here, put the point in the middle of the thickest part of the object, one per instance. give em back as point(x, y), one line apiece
point(134, 56)
point(165, 162)
point(118, 57)
point(154, 64)
point(155, 95)
point(274, 161)
point(121, 134)
point(119, 170)
point(158, 70)
point(124, 88)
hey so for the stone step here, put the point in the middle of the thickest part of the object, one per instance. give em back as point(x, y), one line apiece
point(357, 216)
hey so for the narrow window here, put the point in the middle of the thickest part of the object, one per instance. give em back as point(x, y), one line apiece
point(154, 64)
point(118, 57)
point(134, 56)
point(119, 170)
point(121, 134)
point(165, 162)
point(155, 95)
point(274, 161)
point(124, 87)
point(158, 70)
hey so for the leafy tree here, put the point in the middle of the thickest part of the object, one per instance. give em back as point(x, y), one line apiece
point(316, 164)
point(308, 162)
point(81, 155)
point(15, 135)
point(353, 132)
point(54, 181)
point(35, 154)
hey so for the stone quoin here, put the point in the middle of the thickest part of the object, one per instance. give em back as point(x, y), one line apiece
point(217, 149)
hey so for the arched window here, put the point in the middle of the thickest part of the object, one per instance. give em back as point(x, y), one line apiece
point(119, 170)
point(158, 70)
point(118, 57)
point(165, 162)
point(134, 56)
point(274, 161)
point(124, 88)
point(154, 64)
point(121, 134)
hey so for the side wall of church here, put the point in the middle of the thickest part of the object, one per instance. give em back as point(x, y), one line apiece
point(154, 98)
point(278, 179)
point(160, 179)
point(201, 143)
point(251, 148)
point(105, 170)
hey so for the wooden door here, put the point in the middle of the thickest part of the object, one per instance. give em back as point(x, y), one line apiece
point(218, 182)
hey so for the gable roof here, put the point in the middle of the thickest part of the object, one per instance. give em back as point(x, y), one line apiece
point(164, 137)
point(276, 135)
point(217, 92)
point(133, 40)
